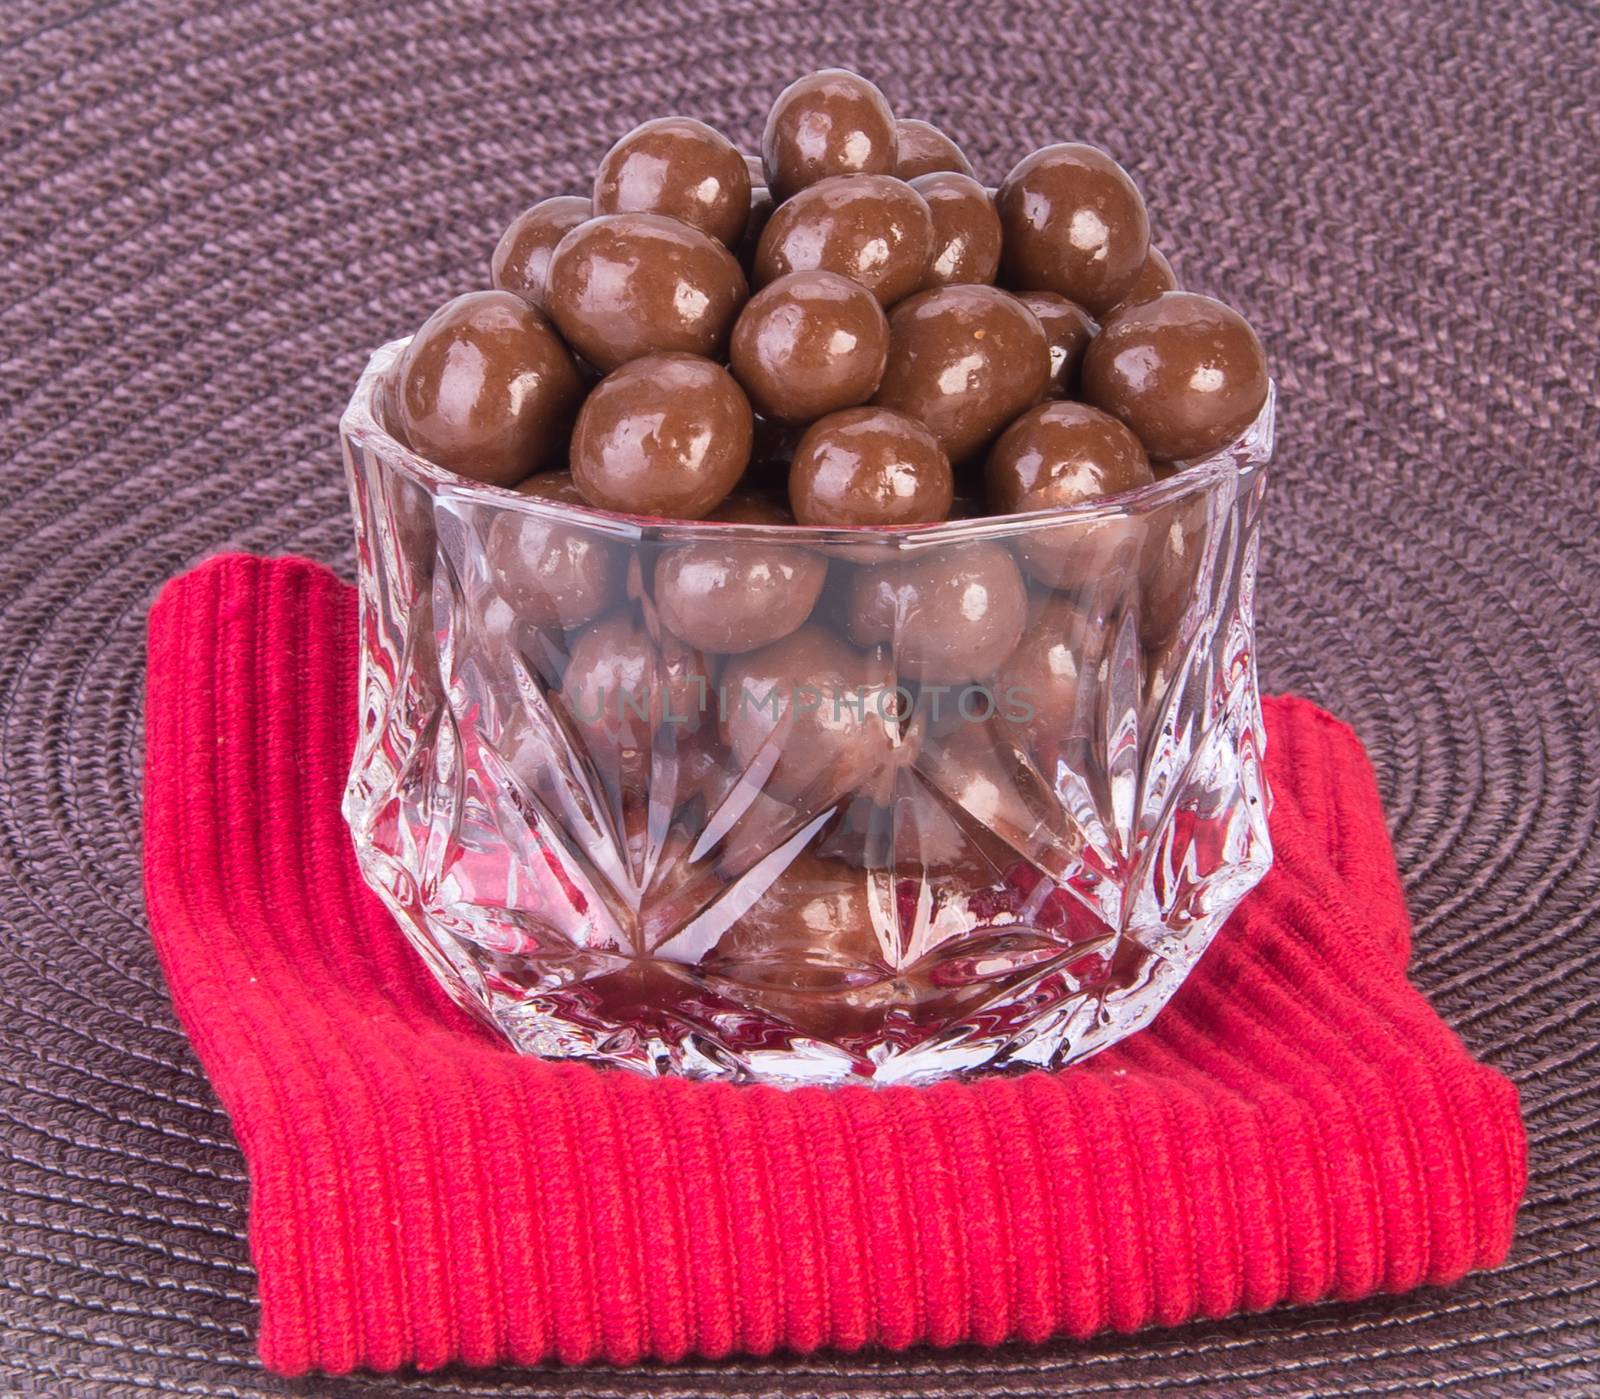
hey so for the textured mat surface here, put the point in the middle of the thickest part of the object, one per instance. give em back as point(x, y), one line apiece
point(210, 212)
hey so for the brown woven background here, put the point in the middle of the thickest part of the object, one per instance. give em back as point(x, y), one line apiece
point(209, 212)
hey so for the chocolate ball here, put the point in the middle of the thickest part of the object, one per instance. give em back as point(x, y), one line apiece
point(620, 687)
point(951, 617)
point(761, 206)
point(1186, 373)
point(809, 343)
point(1155, 277)
point(681, 168)
point(1049, 683)
point(553, 573)
point(822, 714)
point(1068, 329)
point(873, 229)
point(625, 285)
point(1074, 224)
point(731, 596)
point(921, 148)
point(964, 361)
point(666, 435)
point(966, 229)
point(832, 122)
point(1062, 454)
point(869, 466)
point(521, 261)
point(486, 389)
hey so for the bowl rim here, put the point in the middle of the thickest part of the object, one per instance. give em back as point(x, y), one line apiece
point(360, 426)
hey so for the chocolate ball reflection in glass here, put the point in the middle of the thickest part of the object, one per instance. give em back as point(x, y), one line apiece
point(486, 389)
point(1155, 277)
point(813, 713)
point(966, 229)
point(809, 343)
point(679, 167)
point(1068, 329)
point(1172, 552)
point(964, 361)
point(625, 285)
point(978, 769)
point(521, 260)
point(553, 573)
point(950, 617)
point(731, 596)
point(815, 918)
point(873, 229)
point(869, 466)
point(1185, 372)
point(831, 122)
point(1074, 224)
point(809, 950)
point(921, 149)
point(666, 435)
point(1049, 681)
point(620, 687)
point(1061, 454)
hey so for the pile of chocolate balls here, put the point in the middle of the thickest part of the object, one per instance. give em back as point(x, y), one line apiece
point(852, 322)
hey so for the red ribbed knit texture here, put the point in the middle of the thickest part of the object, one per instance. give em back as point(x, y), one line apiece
point(1298, 1124)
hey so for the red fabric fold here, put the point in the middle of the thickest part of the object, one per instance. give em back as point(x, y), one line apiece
point(1298, 1124)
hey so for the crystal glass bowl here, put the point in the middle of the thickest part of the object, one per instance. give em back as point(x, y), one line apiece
point(982, 805)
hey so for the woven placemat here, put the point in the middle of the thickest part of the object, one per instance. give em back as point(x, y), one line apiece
point(210, 212)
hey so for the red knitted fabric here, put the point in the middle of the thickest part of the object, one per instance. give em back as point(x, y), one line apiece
point(1298, 1124)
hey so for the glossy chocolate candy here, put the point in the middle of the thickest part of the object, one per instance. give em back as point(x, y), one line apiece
point(953, 616)
point(1186, 373)
point(734, 595)
point(964, 361)
point(1068, 329)
point(1155, 277)
point(966, 229)
point(921, 148)
point(1062, 454)
point(486, 389)
point(625, 285)
point(869, 466)
point(810, 343)
point(521, 261)
point(681, 168)
point(832, 122)
point(824, 716)
point(873, 229)
point(1075, 223)
point(666, 435)
point(553, 573)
